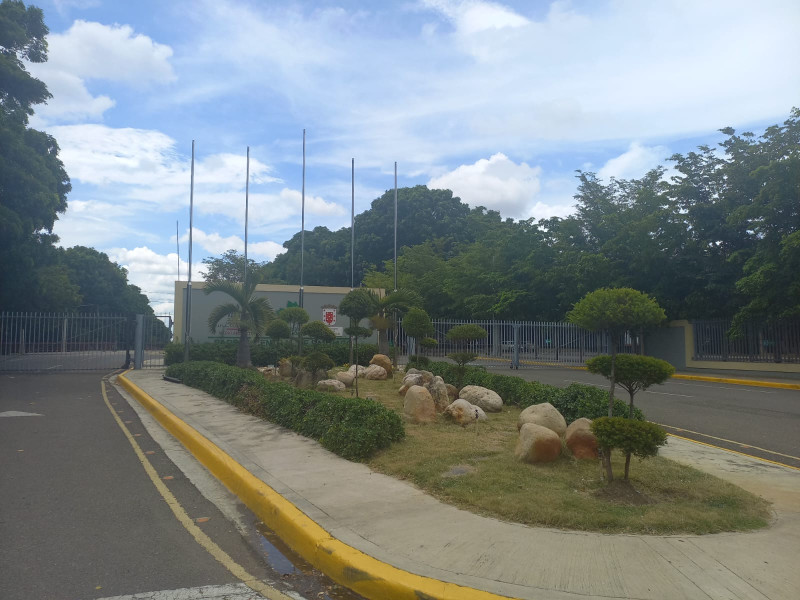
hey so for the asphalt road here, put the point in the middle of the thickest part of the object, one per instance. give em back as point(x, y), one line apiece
point(80, 517)
point(759, 421)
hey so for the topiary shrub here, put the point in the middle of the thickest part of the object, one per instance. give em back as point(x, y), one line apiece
point(578, 400)
point(638, 438)
point(417, 361)
point(354, 428)
point(632, 372)
point(316, 361)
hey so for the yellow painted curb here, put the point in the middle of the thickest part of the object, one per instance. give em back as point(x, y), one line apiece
point(753, 382)
point(344, 564)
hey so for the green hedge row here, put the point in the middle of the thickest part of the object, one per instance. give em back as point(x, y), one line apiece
point(261, 356)
point(353, 428)
point(575, 401)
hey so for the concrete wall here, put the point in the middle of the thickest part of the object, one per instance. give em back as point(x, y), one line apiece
point(279, 296)
point(669, 344)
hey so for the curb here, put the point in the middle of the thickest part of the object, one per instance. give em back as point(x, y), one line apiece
point(373, 579)
point(752, 382)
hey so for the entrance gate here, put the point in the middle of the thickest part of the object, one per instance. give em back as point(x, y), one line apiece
point(42, 342)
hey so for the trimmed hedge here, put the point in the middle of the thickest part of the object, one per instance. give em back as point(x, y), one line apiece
point(353, 428)
point(575, 401)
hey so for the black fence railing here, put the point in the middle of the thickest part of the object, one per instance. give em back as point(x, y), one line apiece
point(767, 342)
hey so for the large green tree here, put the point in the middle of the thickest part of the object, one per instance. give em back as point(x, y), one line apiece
point(33, 182)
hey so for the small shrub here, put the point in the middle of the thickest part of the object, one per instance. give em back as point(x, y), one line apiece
point(354, 428)
point(418, 362)
point(638, 438)
point(578, 400)
point(316, 361)
point(173, 353)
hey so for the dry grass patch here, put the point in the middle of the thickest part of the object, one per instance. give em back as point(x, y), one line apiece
point(663, 497)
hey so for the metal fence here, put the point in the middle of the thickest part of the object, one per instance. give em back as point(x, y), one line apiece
point(81, 341)
point(524, 343)
point(773, 342)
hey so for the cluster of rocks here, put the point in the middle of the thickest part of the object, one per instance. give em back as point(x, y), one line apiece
point(427, 395)
point(541, 429)
point(380, 368)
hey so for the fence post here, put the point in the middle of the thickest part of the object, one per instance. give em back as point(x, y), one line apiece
point(138, 344)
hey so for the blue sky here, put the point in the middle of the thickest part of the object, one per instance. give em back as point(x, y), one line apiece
point(499, 101)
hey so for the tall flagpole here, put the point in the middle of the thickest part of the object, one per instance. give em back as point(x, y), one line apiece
point(352, 223)
point(178, 247)
point(395, 226)
point(303, 220)
point(246, 208)
point(187, 328)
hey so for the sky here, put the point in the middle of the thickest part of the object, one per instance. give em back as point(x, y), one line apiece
point(500, 102)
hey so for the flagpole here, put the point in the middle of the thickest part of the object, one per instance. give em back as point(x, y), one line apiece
point(395, 226)
point(187, 328)
point(246, 208)
point(352, 223)
point(303, 220)
point(178, 247)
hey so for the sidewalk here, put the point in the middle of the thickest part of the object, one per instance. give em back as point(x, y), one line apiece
point(411, 543)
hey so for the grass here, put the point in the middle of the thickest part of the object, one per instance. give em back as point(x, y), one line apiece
point(662, 497)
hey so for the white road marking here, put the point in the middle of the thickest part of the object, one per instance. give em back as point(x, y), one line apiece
point(16, 413)
point(719, 387)
point(232, 591)
point(597, 385)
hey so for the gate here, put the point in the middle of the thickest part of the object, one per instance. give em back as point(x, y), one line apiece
point(524, 343)
point(42, 342)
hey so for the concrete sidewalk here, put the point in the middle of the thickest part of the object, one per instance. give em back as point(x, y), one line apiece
point(411, 533)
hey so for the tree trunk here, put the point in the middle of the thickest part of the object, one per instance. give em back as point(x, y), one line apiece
point(605, 455)
point(630, 414)
point(627, 464)
point(243, 351)
point(356, 364)
point(613, 377)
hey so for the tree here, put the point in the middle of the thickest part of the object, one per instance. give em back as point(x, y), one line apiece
point(461, 335)
point(359, 304)
point(615, 312)
point(33, 182)
point(639, 438)
point(318, 332)
point(633, 373)
point(418, 325)
point(230, 267)
point(247, 313)
point(295, 317)
point(389, 307)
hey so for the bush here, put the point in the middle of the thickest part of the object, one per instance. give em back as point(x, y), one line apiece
point(418, 362)
point(637, 438)
point(221, 352)
point(578, 400)
point(316, 361)
point(340, 352)
point(354, 428)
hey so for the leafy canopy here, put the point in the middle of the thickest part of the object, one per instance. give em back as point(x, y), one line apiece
point(616, 310)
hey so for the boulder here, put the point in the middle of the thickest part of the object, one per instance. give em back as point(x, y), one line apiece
point(412, 371)
point(544, 414)
point(462, 412)
point(383, 361)
point(375, 372)
point(438, 391)
point(285, 368)
point(357, 369)
point(346, 377)
point(413, 379)
point(580, 439)
point(537, 444)
point(483, 397)
point(418, 406)
point(330, 385)
point(304, 379)
point(452, 391)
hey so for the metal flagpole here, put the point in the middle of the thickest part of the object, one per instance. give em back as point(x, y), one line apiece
point(352, 223)
point(395, 226)
point(178, 247)
point(303, 220)
point(187, 328)
point(246, 206)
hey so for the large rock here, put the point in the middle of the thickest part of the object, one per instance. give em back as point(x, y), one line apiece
point(357, 369)
point(346, 377)
point(544, 414)
point(375, 372)
point(418, 406)
point(580, 439)
point(483, 397)
point(285, 368)
point(383, 361)
point(427, 377)
point(330, 385)
point(464, 413)
point(438, 391)
point(452, 391)
point(409, 380)
point(537, 444)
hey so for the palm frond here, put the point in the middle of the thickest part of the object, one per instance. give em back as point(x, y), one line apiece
point(218, 313)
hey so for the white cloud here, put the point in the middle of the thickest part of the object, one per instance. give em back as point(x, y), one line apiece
point(216, 244)
point(473, 16)
point(635, 162)
point(497, 183)
point(154, 273)
point(93, 51)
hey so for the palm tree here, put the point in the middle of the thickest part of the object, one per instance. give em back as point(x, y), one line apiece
point(389, 307)
point(251, 315)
